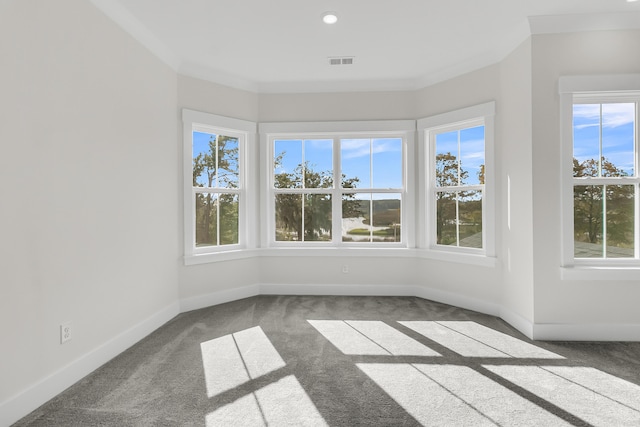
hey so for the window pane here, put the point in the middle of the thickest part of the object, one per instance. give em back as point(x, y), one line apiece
point(470, 215)
point(228, 172)
point(586, 139)
point(206, 219)
point(215, 160)
point(356, 162)
point(229, 208)
point(288, 217)
point(317, 217)
point(387, 163)
point(446, 229)
point(618, 139)
point(356, 226)
point(447, 159)
point(386, 217)
point(587, 220)
point(472, 154)
point(620, 221)
point(318, 160)
point(287, 164)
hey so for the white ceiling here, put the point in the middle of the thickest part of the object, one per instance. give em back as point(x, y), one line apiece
point(283, 45)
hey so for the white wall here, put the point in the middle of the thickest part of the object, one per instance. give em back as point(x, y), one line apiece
point(477, 284)
point(384, 274)
point(337, 106)
point(88, 187)
point(514, 133)
point(91, 213)
point(557, 301)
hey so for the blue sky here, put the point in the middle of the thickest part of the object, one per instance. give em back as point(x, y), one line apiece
point(359, 157)
point(201, 145)
point(617, 126)
point(470, 152)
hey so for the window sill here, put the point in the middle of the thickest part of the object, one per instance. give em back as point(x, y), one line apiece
point(339, 252)
point(220, 256)
point(458, 257)
point(600, 272)
point(463, 258)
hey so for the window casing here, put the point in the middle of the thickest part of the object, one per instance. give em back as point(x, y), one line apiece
point(215, 183)
point(459, 183)
point(337, 184)
point(601, 191)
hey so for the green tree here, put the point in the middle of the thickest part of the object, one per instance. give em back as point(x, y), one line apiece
point(218, 167)
point(589, 205)
point(447, 175)
point(316, 224)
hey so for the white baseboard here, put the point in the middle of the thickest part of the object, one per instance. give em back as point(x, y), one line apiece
point(586, 332)
point(520, 323)
point(342, 290)
point(444, 297)
point(218, 297)
point(23, 403)
point(457, 300)
point(30, 399)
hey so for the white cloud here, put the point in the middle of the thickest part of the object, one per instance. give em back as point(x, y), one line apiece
point(352, 148)
point(613, 115)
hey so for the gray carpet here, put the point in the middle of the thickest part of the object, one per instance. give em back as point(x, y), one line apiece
point(351, 361)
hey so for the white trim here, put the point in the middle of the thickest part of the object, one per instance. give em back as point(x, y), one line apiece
point(606, 272)
point(218, 297)
point(332, 128)
point(417, 291)
point(18, 406)
point(271, 132)
point(457, 256)
point(599, 83)
point(245, 131)
point(458, 116)
point(220, 122)
point(476, 115)
point(586, 332)
point(523, 325)
point(210, 257)
point(131, 25)
point(458, 300)
point(598, 89)
point(340, 290)
point(574, 23)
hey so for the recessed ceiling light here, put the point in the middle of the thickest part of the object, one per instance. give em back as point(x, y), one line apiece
point(631, 1)
point(330, 17)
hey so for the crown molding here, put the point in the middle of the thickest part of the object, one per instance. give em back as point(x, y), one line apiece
point(131, 25)
point(556, 24)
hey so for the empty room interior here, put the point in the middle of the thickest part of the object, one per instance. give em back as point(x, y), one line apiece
point(320, 213)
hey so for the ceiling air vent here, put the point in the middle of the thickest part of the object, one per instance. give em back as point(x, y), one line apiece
point(342, 60)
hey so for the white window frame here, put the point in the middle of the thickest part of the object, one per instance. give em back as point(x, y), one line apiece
point(404, 129)
point(477, 115)
point(599, 89)
point(245, 131)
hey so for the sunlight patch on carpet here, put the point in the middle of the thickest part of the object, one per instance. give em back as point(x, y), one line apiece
point(453, 340)
point(426, 401)
point(501, 342)
point(369, 338)
point(593, 396)
point(234, 359)
point(282, 403)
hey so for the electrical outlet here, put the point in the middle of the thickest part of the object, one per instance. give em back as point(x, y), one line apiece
point(345, 268)
point(65, 332)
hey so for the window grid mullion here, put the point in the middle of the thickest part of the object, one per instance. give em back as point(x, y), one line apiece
point(457, 219)
point(600, 144)
point(604, 222)
point(336, 194)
